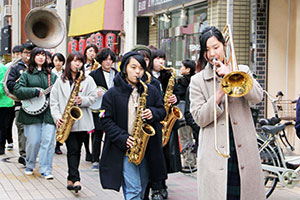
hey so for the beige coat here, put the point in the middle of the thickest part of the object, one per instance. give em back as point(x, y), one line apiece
point(59, 97)
point(212, 168)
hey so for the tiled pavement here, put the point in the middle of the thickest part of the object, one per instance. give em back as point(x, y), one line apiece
point(14, 184)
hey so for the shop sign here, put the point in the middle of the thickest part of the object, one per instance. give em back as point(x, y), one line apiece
point(149, 6)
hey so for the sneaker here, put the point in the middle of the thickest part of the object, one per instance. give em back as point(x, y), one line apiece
point(95, 166)
point(47, 176)
point(22, 160)
point(164, 193)
point(10, 147)
point(28, 171)
point(156, 195)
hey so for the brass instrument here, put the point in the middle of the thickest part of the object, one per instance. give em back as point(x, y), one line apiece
point(71, 113)
point(95, 65)
point(141, 131)
point(44, 27)
point(234, 84)
point(149, 77)
point(173, 114)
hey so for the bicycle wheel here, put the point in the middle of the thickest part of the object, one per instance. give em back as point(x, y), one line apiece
point(269, 156)
point(188, 151)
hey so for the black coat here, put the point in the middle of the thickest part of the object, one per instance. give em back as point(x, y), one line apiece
point(14, 75)
point(115, 125)
point(99, 79)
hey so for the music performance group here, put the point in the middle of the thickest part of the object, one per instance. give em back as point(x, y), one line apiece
point(133, 109)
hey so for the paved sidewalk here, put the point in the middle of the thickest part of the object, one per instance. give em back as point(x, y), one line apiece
point(14, 184)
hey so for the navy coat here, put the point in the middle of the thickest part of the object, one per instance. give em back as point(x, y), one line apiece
point(99, 79)
point(115, 125)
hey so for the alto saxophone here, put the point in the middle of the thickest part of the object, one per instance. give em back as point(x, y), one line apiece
point(141, 131)
point(94, 66)
point(71, 113)
point(173, 112)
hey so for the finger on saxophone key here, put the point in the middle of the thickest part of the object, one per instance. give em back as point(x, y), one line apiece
point(130, 142)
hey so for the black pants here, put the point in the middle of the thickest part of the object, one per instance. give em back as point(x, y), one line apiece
point(86, 141)
point(73, 144)
point(96, 145)
point(7, 115)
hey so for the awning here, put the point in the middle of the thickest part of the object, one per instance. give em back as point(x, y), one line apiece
point(95, 15)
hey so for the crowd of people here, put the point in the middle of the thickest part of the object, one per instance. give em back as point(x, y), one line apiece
point(113, 101)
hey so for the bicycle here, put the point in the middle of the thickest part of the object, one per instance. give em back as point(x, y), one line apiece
point(274, 164)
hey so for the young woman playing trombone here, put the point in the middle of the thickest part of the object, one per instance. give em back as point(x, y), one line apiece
point(234, 173)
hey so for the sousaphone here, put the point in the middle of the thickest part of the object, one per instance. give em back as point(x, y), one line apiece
point(44, 27)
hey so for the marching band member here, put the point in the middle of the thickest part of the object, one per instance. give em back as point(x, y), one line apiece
point(171, 149)
point(156, 165)
point(12, 79)
point(89, 54)
point(103, 77)
point(87, 95)
point(39, 129)
point(57, 61)
point(240, 176)
point(118, 115)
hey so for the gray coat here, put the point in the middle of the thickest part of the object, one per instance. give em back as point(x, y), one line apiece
point(212, 168)
point(59, 97)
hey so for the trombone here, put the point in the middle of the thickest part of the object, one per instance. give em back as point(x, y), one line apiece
point(235, 84)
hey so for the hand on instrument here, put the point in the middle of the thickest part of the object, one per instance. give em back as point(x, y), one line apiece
point(41, 93)
point(147, 114)
point(99, 93)
point(59, 122)
point(78, 100)
point(130, 142)
point(222, 69)
point(173, 99)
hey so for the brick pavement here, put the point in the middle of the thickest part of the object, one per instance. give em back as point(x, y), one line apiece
point(15, 185)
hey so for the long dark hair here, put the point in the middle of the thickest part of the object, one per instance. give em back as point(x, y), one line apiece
point(67, 73)
point(88, 47)
point(32, 63)
point(207, 33)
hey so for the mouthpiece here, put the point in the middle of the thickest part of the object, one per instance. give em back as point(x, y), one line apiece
point(213, 60)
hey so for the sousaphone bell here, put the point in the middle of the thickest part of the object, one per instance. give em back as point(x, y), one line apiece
point(44, 27)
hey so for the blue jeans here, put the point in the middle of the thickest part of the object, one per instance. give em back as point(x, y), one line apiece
point(40, 137)
point(135, 179)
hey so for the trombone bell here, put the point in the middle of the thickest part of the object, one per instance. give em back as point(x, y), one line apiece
point(237, 84)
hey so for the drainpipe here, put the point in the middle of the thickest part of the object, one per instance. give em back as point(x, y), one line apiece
point(287, 51)
point(129, 24)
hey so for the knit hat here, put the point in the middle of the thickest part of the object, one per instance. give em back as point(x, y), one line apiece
point(134, 54)
point(140, 47)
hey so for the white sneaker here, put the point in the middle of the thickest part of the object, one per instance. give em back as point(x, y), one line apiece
point(10, 146)
point(47, 176)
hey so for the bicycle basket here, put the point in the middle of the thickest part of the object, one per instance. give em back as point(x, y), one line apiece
point(286, 109)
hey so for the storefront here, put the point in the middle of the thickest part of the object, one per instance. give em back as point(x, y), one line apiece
point(178, 27)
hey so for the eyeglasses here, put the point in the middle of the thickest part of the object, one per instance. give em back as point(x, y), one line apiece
point(26, 52)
